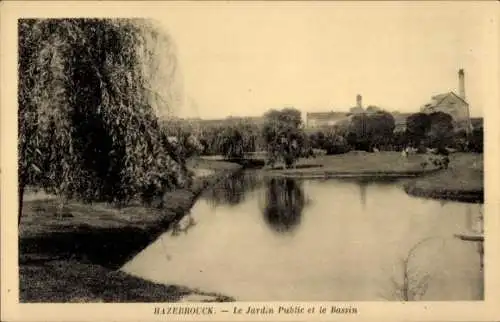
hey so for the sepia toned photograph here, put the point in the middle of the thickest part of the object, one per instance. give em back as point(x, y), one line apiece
point(227, 153)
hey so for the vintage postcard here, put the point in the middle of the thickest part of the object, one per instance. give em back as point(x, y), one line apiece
point(248, 161)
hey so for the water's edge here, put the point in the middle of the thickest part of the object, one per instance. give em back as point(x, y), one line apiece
point(90, 281)
point(182, 270)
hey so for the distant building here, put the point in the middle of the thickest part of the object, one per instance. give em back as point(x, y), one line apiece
point(453, 104)
point(359, 106)
point(324, 119)
point(317, 120)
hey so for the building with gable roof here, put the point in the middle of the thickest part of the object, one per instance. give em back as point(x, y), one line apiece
point(453, 104)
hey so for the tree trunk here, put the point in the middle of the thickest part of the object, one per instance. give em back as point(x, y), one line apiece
point(20, 200)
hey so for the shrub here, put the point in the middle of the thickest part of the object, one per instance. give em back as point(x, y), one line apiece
point(335, 144)
point(441, 129)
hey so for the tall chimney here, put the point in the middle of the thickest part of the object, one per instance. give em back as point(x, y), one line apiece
point(359, 101)
point(461, 84)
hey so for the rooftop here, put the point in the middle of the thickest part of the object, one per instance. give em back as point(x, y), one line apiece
point(326, 114)
point(437, 99)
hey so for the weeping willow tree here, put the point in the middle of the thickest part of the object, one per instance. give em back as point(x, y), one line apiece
point(90, 95)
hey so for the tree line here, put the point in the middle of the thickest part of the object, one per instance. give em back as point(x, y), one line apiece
point(283, 138)
point(377, 131)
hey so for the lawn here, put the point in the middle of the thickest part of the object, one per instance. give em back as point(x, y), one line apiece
point(68, 280)
point(463, 180)
point(73, 256)
point(352, 162)
point(358, 163)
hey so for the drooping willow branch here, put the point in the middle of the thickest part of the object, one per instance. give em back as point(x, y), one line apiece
point(90, 92)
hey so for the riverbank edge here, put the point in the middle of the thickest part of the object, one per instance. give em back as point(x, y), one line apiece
point(329, 174)
point(468, 196)
point(462, 181)
point(86, 282)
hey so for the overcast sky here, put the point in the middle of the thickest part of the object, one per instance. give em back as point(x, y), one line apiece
point(243, 59)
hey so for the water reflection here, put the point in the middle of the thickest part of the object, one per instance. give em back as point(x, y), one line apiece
point(362, 193)
point(332, 249)
point(232, 192)
point(474, 224)
point(284, 203)
point(364, 183)
point(474, 218)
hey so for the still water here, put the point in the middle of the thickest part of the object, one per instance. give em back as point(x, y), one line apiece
point(263, 239)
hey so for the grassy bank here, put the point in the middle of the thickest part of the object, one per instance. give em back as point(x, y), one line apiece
point(74, 257)
point(357, 164)
point(462, 181)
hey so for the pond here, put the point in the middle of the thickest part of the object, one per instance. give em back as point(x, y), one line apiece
point(268, 239)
